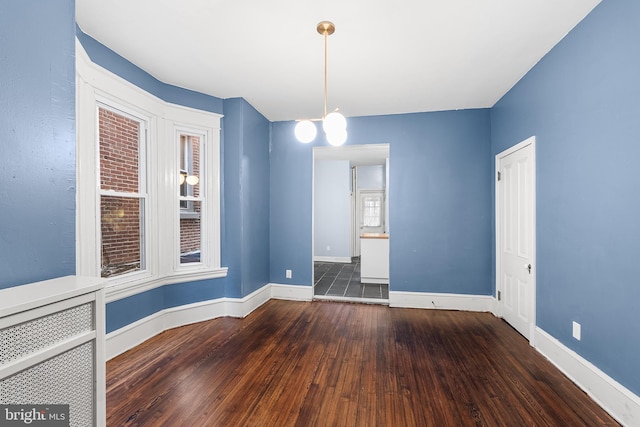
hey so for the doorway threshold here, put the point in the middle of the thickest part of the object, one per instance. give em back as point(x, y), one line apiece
point(335, 298)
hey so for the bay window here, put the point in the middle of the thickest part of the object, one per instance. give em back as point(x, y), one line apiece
point(148, 186)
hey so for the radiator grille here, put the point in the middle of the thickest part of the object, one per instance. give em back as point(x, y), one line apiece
point(64, 379)
point(25, 338)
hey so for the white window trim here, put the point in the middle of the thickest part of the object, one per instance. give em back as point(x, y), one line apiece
point(96, 85)
point(206, 251)
point(143, 189)
point(188, 211)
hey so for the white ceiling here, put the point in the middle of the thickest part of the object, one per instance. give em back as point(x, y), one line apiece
point(384, 58)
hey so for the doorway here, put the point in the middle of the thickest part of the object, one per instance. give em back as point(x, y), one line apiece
point(515, 237)
point(344, 206)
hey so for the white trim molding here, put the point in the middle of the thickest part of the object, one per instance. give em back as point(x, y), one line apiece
point(441, 301)
point(341, 259)
point(613, 397)
point(127, 337)
point(359, 300)
point(126, 290)
point(291, 292)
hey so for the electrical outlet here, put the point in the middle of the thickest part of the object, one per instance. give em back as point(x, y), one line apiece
point(288, 274)
point(328, 248)
point(577, 330)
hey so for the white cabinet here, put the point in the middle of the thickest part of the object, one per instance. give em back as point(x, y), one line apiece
point(374, 258)
point(52, 347)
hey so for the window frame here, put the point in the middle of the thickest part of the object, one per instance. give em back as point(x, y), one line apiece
point(141, 194)
point(97, 86)
point(180, 130)
point(187, 211)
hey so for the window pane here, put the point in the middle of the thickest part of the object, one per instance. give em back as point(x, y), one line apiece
point(371, 214)
point(122, 225)
point(190, 235)
point(190, 225)
point(189, 173)
point(119, 152)
point(121, 218)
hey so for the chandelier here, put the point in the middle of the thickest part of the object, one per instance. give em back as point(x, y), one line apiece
point(334, 124)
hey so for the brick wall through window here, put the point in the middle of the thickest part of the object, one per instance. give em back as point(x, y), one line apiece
point(121, 217)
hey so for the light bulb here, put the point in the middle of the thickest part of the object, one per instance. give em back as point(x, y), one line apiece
point(334, 122)
point(181, 179)
point(305, 131)
point(192, 180)
point(337, 138)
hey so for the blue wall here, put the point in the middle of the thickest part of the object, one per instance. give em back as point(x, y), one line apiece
point(246, 198)
point(125, 311)
point(439, 195)
point(37, 141)
point(582, 104)
point(580, 101)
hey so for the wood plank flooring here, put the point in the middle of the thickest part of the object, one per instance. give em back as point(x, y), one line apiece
point(336, 364)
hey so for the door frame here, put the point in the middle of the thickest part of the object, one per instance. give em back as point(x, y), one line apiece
point(498, 241)
point(358, 155)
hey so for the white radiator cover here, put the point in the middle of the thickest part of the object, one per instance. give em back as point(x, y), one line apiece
point(52, 347)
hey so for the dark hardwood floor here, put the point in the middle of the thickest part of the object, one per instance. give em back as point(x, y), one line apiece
point(336, 364)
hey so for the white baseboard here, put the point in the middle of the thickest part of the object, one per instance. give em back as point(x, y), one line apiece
point(439, 301)
point(242, 307)
point(291, 292)
point(125, 338)
point(343, 259)
point(613, 397)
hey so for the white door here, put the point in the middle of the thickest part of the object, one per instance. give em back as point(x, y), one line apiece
point(515, 236)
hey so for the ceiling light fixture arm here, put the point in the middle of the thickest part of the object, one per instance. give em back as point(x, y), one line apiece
point(326, 28)
point(333, 124)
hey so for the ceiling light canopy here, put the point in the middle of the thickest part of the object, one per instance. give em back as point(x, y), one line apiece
point(334, 124)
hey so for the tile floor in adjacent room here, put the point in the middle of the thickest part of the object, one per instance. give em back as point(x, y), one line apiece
point(333, 279)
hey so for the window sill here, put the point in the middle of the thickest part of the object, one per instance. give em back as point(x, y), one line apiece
point(189, 215)
point(123, 290)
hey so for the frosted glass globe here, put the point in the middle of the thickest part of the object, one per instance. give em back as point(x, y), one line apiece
point(192, 180)
point(334, 122)
point(337, 138)
point(305, 131)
